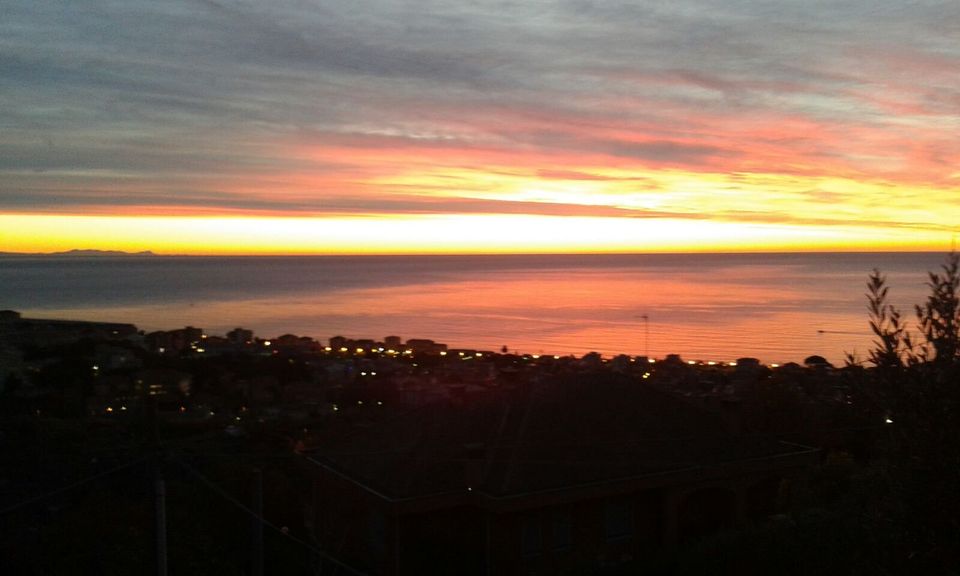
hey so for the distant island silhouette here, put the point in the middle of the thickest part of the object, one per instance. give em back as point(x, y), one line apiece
point(84, 253)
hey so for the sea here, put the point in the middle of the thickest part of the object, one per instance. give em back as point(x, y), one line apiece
point(711, 307)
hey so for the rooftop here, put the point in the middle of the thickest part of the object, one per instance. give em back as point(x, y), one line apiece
point(574, 430)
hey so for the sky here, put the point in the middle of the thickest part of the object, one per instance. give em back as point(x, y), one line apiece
point(384, 126)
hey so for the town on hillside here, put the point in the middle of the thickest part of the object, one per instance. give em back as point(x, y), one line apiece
point(397, 456)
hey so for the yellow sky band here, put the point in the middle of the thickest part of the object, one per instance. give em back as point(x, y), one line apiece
point(440, 234)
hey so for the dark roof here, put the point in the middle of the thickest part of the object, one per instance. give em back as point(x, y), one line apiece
point(575, 430)
point(41, 330)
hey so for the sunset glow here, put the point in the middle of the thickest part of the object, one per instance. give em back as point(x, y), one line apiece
point(436, 235)
point(297, 128)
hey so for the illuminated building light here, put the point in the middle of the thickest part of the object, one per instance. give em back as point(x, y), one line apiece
point(237, 418)
point(461, 353)
point(556, 357)
point(109, 409)
point(359, 402)
point(95, 367)
point(201, 350)
point(443, 352)
point(343, 349)
point(327, 349)
point(183, 408)
point(731, 363)
point(123, 408)
point(536, 356)
point(711, 363)
point(774, 365)
point(267, 343)
point(373, 373)
point(691, 362)
point(380, 349)
point(888, 421)
point(335, 408)
point(359, 350)
point(646, 375)
point(363, 373)
point(650, 360)
point(379, 403)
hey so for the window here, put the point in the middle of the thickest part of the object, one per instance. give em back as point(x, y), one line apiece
point(531, 538)
point(618, 520)
point(377, 533)
point(562, 530)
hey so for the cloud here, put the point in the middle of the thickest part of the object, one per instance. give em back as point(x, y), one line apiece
point(298, 106)
point(201, 203)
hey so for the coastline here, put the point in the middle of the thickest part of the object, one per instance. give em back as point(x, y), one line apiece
point(779, 308)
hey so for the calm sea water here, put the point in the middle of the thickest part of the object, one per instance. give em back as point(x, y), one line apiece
point(777, 307)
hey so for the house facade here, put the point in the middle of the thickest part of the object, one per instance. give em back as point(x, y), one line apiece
point(554, 479)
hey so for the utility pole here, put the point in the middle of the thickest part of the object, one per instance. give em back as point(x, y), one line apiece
point(646, 339)
point(256, 554)
point(159, 487)
point(160, 501)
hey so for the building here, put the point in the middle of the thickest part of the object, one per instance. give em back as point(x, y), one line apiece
point(425, 346)
point(585, 472)
point(43, 332)
point(293, 344)
point(174, 341)
point(240, 336)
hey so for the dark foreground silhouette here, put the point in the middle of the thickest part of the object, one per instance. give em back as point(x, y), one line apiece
point(285, 458)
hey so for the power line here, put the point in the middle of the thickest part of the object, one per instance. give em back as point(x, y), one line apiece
point(213, 486)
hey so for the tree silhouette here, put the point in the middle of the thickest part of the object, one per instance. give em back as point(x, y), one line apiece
point(886, 324)
point(939, 317)
point(913, 394)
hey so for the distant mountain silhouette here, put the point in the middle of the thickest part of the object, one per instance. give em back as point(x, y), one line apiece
point(84, 253)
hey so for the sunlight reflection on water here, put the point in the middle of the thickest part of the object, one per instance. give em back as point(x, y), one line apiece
point(711, 307)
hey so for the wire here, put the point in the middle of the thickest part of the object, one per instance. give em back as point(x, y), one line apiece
point(68, 487)
point(213, 486)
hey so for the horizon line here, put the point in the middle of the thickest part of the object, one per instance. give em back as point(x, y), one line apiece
point(95, 252)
